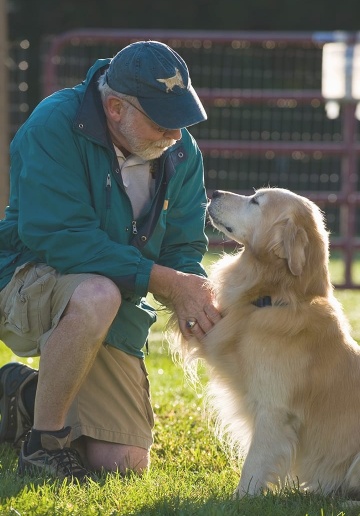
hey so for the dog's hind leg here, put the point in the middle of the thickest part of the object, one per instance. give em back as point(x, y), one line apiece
point(270, 454)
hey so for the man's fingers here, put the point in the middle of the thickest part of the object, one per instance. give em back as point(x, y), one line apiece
point(212, 313)
point(196, 326)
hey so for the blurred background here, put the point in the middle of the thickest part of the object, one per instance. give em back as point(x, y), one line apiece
point(280, 81)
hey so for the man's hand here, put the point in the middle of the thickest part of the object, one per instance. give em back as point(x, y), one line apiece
point(189, 296)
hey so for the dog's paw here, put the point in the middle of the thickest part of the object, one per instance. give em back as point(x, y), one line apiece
point(239, 494)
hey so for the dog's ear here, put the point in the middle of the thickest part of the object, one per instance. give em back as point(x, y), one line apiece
point(292, 246)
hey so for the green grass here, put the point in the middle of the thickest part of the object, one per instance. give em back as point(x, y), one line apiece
point(190, 473)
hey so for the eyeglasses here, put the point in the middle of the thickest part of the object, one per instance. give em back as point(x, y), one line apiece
point(157, 127)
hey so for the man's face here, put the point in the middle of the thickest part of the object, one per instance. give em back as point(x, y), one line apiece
point(141, 136)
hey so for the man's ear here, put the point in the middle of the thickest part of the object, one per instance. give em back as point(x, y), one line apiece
point(291, 245)
point(114, 106)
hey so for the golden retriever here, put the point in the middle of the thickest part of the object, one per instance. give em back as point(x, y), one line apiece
point(284, 371)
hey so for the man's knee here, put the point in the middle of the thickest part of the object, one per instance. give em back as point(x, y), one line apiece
point(116, 457)
point(96, 299)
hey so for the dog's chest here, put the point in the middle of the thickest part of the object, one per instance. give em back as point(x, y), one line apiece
point(265, 381)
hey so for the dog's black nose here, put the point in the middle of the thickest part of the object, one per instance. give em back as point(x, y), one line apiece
point(216, 194)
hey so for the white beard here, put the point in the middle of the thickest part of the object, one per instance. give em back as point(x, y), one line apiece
point(145, 149)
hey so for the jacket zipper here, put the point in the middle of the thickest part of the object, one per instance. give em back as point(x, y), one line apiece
point(108, 191)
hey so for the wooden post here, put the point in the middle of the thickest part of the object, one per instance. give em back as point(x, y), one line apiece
point(4, 111)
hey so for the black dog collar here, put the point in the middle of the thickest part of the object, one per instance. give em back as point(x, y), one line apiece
point(261, 302)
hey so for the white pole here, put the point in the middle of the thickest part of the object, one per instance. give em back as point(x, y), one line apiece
point(4, 111)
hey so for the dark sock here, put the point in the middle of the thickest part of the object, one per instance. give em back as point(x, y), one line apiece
point(34, 443)
point(28, 397)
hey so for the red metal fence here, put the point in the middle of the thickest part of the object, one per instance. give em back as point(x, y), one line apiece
point(267, 123)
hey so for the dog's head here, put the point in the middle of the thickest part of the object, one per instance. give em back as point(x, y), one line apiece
point(278, 226)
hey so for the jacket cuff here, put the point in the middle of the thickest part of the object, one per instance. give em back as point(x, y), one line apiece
point(143, 277)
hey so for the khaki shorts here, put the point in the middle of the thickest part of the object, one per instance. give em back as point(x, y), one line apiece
point(113, 403)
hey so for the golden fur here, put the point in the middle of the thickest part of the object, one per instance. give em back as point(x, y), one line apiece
point(285, 378)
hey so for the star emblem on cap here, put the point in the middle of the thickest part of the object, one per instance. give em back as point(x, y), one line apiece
point(171, 82)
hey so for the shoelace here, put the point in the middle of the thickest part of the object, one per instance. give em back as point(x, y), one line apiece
point(68, 462)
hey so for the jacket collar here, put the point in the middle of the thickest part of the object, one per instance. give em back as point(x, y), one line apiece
point(90, 120)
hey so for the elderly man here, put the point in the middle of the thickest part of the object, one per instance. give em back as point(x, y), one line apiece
point(107, 203)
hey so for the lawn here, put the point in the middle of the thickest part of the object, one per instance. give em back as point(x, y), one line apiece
point(190, 474)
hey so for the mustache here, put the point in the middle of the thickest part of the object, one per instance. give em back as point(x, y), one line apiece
point(165, 142)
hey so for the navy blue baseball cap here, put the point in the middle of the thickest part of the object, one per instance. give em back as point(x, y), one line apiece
point(159, 78)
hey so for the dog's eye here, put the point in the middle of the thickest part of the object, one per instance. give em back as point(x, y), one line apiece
point(254, 200)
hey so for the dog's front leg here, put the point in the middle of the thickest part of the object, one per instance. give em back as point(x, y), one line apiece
point(270, 454)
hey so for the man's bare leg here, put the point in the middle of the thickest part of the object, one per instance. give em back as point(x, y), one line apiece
point(65, 362)
point(71, 349)
point(116, 457)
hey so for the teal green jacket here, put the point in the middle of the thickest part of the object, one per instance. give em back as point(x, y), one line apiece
point(68, 207)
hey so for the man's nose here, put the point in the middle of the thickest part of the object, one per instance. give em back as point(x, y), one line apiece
point(175, 134)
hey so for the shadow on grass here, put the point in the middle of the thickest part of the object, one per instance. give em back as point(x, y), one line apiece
point(294, 504)
point(10, 483)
